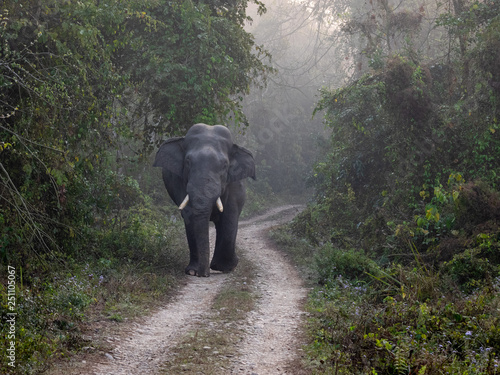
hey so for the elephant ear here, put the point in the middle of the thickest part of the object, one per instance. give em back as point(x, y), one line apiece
point(242, 164)
point(171, 155)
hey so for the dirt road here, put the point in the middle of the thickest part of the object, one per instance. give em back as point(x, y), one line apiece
point(268, 342)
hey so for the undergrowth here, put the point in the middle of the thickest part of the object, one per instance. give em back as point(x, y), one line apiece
point(128, 263)
point(403, 236)
point(414, 314)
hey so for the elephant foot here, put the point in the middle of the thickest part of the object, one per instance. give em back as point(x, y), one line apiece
point(193, 271)
point(224, 267)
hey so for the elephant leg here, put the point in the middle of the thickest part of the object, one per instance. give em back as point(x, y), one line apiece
point(225, 259)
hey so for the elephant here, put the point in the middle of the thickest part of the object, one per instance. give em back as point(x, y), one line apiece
point(204, 173)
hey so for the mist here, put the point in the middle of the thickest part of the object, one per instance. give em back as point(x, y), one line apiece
point(283, 132)
point(316, 46)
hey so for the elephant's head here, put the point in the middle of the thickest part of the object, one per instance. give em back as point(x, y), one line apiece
point(206, 160)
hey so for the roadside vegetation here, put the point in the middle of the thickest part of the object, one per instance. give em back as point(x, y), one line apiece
point(88, 90)
point(403, 234)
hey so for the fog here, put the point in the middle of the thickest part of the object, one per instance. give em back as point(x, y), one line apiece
point(319, 45)
point(282, 131)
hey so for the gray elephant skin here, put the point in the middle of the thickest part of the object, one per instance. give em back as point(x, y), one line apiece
point(204, 173)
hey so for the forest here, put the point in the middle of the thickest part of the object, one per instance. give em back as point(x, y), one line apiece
point(381, 115)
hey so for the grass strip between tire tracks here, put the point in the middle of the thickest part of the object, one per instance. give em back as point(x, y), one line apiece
point(209, 347)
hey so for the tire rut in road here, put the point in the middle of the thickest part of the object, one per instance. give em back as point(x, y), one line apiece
point(145, 350)
point(273, 329)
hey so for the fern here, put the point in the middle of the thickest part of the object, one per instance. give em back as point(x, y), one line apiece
point(400, 357)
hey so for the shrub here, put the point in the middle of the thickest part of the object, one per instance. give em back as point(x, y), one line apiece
point(331, 263)
point(477, 204)
point(470, 270)
point(355, 331)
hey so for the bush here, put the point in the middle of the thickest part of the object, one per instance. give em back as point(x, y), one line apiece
point(128, 256)
point(469, 270)
point(408, 323)
point(405, 136)
point(142, 234)
point(477, 204)
point(332, 263)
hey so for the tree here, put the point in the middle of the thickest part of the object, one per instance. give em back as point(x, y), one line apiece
point(413, 120)
point(282, 132)
point(80, 79)
point(192, 63)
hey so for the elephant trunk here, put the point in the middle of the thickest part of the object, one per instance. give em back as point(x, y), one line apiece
point(202, 246)
point(197, 231)
point(197, 207)
point(203, 193)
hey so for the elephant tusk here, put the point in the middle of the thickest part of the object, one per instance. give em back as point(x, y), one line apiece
point(184, 202)
point(219, 205)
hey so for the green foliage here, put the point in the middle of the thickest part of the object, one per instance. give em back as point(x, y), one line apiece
point(405, 218)
point(78, 83)
point(404, 321)
point(440, 211)
point(87, 89)
point(141, 234)
point(332, 263)
point(395, 131)
point(190, 62)
point(469, 269)
point(129, 258)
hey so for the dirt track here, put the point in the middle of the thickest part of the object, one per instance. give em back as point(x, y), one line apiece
point(269, 342)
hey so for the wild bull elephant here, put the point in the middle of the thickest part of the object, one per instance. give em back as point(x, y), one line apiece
point(204, 173)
